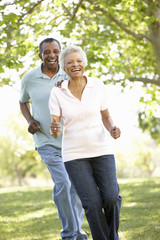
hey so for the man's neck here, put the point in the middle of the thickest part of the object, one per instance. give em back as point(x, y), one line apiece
point(49, 72)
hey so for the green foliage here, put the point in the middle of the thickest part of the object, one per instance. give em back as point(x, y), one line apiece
point(92, 26)
point(22, 22)
point(150, 123)
point(31, 211)
point(149, 115)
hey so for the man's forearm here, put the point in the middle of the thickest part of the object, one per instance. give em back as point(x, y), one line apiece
point(25, 109)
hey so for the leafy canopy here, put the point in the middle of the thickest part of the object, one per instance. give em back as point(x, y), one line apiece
point(120, 37)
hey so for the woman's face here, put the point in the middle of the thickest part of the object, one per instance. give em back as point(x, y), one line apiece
point(74, 65)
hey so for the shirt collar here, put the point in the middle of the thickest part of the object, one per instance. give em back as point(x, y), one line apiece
point(40, 74)
point(90, 83)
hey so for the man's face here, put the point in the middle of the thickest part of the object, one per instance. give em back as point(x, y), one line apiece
point(50, 55)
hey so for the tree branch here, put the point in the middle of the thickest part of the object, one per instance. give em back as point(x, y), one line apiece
point(128, 31)
point(134, 79)
point(112, 18)
point(119, 24)
point(72, 15)
point(66, 10)
point(145, 80)
point(30, 10)
point(76, 9)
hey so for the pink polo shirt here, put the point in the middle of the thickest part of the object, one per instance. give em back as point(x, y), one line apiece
point(84, 134)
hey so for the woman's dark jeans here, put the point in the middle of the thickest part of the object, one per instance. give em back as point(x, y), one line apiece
point(96, 184)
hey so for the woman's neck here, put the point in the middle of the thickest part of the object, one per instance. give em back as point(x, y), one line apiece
point(77, 82)
point(76, 86)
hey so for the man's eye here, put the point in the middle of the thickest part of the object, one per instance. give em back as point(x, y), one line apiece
point(47, 52)
point(56, 52)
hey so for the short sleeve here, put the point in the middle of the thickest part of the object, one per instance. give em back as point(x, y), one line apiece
point(104, 96)
point(53, 103)
point(24, 95)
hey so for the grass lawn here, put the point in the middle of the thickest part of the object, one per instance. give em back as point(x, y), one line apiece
point(28, 213)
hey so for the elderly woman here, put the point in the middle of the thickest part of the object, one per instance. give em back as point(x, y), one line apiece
point(81, 103)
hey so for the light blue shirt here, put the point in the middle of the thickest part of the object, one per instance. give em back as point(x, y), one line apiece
point(36, 86)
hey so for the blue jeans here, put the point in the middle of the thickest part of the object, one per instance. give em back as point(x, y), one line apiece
point(96, 184)
point(69, 206)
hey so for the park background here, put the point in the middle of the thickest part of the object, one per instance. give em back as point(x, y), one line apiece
point(122, 43)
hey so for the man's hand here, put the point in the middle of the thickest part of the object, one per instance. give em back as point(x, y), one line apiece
point(59, 83)
point(115, 132)
point(34, 126)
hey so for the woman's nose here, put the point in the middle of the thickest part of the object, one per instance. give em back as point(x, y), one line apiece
point(75, 63)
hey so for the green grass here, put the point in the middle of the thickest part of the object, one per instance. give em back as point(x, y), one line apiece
point(28, 213)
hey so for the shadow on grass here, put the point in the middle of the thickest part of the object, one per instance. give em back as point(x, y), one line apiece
point(28, 212)
point(18, 202)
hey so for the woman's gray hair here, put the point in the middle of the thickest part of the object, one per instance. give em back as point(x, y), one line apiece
point(71, 49)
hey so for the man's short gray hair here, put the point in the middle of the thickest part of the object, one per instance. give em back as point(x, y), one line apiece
point(71, 49)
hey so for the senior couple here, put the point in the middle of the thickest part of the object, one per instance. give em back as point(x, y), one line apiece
point(82, 104)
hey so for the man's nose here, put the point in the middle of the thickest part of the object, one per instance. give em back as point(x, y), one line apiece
point(52, 54)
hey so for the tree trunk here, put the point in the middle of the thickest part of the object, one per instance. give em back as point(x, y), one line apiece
point(18, 174)
point(155, 34)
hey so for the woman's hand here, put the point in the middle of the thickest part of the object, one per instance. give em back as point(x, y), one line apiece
point(55, 127)
point(115, 132)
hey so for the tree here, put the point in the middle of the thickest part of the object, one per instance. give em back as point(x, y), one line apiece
point(121, 39)
point(145, 156)
point(18, 159)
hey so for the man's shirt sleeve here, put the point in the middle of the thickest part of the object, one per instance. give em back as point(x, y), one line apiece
point(24, 96)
